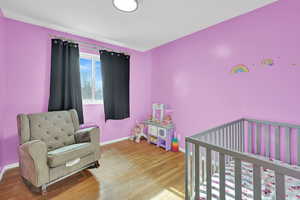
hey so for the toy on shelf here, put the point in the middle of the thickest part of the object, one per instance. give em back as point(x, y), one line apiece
point(153, 139)
point(158, 112)
point(137, 132)
point(175, 144)
point(167, 120)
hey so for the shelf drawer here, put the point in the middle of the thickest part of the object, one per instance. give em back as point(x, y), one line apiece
point(152, 130)
point(162, 133)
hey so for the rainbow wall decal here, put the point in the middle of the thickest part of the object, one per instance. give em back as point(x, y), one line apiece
point(239, 68)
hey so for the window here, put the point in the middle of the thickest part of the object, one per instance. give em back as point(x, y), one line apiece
point(91, 79)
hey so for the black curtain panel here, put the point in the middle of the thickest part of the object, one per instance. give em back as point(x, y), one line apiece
point(65, 88)
point(115, 77)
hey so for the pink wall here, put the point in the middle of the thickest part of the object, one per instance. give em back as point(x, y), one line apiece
point(192, 74)
point(28, 72)
point(2, 82)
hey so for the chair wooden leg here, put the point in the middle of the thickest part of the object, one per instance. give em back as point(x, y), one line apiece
point(97, 165)
point(44, 189)
point(31, 187)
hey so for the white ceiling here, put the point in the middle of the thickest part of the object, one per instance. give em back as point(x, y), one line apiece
point(156, 22)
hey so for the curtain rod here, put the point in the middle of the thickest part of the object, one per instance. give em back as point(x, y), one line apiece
point(86, 44)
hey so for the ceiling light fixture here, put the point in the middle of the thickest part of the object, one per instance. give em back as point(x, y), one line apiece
point(126, 5)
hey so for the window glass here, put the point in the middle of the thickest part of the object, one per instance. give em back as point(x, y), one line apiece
point(86, 78)
point(91, 79)
point(98, 81)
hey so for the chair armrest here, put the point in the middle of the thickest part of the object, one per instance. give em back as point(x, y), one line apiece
point(88, 135)
point(33, 162)
point(91, 135)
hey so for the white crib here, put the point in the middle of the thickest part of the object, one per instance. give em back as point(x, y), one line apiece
point(234, 144)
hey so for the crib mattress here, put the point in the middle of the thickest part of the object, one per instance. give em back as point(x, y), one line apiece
point(268, 183)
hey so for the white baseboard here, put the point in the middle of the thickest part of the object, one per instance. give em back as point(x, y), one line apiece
point(114, 141)
point(126, 138)
point(182, 150)
point(7, 167)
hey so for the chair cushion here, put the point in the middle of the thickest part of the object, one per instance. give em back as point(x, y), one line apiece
point(56, 129)
point(64, 154)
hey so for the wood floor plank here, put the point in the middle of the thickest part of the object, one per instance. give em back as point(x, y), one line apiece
point(128, 171)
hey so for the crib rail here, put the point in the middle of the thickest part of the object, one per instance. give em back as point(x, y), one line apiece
point(282, 133)
point(209, 151)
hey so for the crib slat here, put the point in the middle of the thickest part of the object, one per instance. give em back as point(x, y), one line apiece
point(187, 170)
point(240, 136)
point(197, 172)
point(214, 155)
point(206, 138)
point(257, 182)
point(211, 141)
point(288, 145)
point(208, 174)
point(238, 179)
point(224, 137)
point(221, 137)
point(243, 135)
point(210, 138)
point(192, 180)
point(249, 137)
point(215, 138)
point(234, 136)
point(227, 158)
point(267, 140)
point(277, 143)
point(280, 186)
point(258, 135)
point(227, 136)
point(203, 169)
point(231, 137)
point(237, 135)
point(298, 146)
point(222, 175)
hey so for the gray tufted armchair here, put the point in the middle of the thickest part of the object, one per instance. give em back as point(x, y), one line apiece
point(52, 147)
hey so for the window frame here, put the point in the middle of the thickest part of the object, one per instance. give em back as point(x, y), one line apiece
point(94, 58)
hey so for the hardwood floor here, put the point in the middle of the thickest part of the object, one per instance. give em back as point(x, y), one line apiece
point(128, 171)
